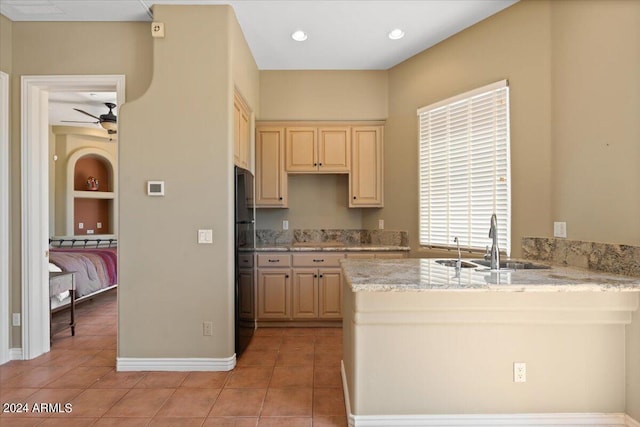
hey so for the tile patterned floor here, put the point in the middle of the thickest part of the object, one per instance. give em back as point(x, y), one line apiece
point(287, 377)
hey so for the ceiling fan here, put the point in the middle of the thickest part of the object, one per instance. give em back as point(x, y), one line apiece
point(107, 121)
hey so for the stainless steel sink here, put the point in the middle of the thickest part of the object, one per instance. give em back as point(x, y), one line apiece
point(453, 262)
point(513, 265)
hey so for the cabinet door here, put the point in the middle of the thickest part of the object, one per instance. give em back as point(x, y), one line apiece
point(365, 179)
point(246, 295)
point(305, 293)
point(301, 150)
point(330, 293)
point(236, 133)
point(245, 140)
point(241, 139)
point(274, 294)
point(334, 149)
point(271, 178)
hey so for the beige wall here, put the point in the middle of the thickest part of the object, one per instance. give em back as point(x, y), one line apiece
point(6, 41)
point(513, 45)
point(180, 131)
point(320, 201)
point(58, 48)
point(315, 201)
point(323, 95)
point(596, 126)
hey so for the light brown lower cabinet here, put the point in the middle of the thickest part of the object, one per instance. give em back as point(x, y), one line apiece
point(317, 293)
point(274, 294)
point(304, 286)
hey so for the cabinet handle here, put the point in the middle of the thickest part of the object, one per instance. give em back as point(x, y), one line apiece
point(321, 276)
point(315, 275)
point(318, 260)
point(245, 260)
point(354, 197)
point(274, 260)
point(286, 276)
point(315, 164)
point(319, 164)
point(280, 198)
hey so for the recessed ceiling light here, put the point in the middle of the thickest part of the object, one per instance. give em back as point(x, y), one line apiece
point(299, 36)
point(396, 34)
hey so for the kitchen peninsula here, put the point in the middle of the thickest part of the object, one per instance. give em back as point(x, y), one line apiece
point(423, 340)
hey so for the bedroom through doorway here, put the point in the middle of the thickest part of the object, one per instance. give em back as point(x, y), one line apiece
point(69, 201)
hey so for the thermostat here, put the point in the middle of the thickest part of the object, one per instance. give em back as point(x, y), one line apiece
point(155, 188)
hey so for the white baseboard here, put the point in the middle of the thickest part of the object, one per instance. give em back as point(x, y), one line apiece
point(15, 354)
point(493, 420)
point(631, 422)
point(484, 420)
point(175, 364)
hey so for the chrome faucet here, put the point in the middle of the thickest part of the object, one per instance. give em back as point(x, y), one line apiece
point(459, 261)
point(495, 251)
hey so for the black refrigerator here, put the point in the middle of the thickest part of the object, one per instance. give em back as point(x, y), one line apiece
point(245, 319)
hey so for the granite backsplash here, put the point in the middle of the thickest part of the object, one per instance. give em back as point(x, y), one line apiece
point(607, 257)
point(348, 237)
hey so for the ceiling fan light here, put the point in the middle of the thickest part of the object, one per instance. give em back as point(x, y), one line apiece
point(109, 125)
point(396, 34)
point(299, 36)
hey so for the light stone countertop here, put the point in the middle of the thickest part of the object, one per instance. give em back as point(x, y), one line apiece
point(320, 247)
point(417, 275)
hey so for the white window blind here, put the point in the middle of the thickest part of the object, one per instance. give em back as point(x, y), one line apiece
point(465, 169)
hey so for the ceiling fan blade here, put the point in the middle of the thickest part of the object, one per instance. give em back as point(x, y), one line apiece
point(88, 114)
point(77, 121)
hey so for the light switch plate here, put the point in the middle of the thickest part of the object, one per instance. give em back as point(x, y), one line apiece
point(16, 319)
point(381, 224)
point(285, 224)
point(205, 236)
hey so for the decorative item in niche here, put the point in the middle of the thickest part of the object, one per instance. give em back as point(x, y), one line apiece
point(92, 183)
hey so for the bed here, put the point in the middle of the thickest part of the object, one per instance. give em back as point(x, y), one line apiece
point(94, 262)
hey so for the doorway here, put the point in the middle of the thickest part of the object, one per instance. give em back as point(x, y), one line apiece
point(35, 196)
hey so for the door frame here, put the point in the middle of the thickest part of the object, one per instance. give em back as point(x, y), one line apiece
point(35, 196)
point(5, 332)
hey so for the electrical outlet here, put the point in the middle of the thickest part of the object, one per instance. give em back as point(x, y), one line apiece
point(207, 328)
point(381, 224)
point(81, 225)
point(16, 319)
point(89, 231)
point(285, 224)
point(519, 372)
point(99, 225)
point(559, 229)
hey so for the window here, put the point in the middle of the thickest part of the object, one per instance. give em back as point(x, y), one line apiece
point(464, 169)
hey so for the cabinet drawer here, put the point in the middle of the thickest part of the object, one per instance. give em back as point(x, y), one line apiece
point(317, 260)
point(245, 260)
point(274, 260)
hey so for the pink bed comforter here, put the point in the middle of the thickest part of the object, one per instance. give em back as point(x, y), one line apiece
point(95, 268)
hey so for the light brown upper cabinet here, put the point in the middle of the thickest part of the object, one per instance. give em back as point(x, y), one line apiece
point(366, 177)
point(241, 133)
point(318, 150)
point(271, 178)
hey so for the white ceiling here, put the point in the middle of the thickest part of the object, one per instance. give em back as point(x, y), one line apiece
point(343, 35)
point(62, 104)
